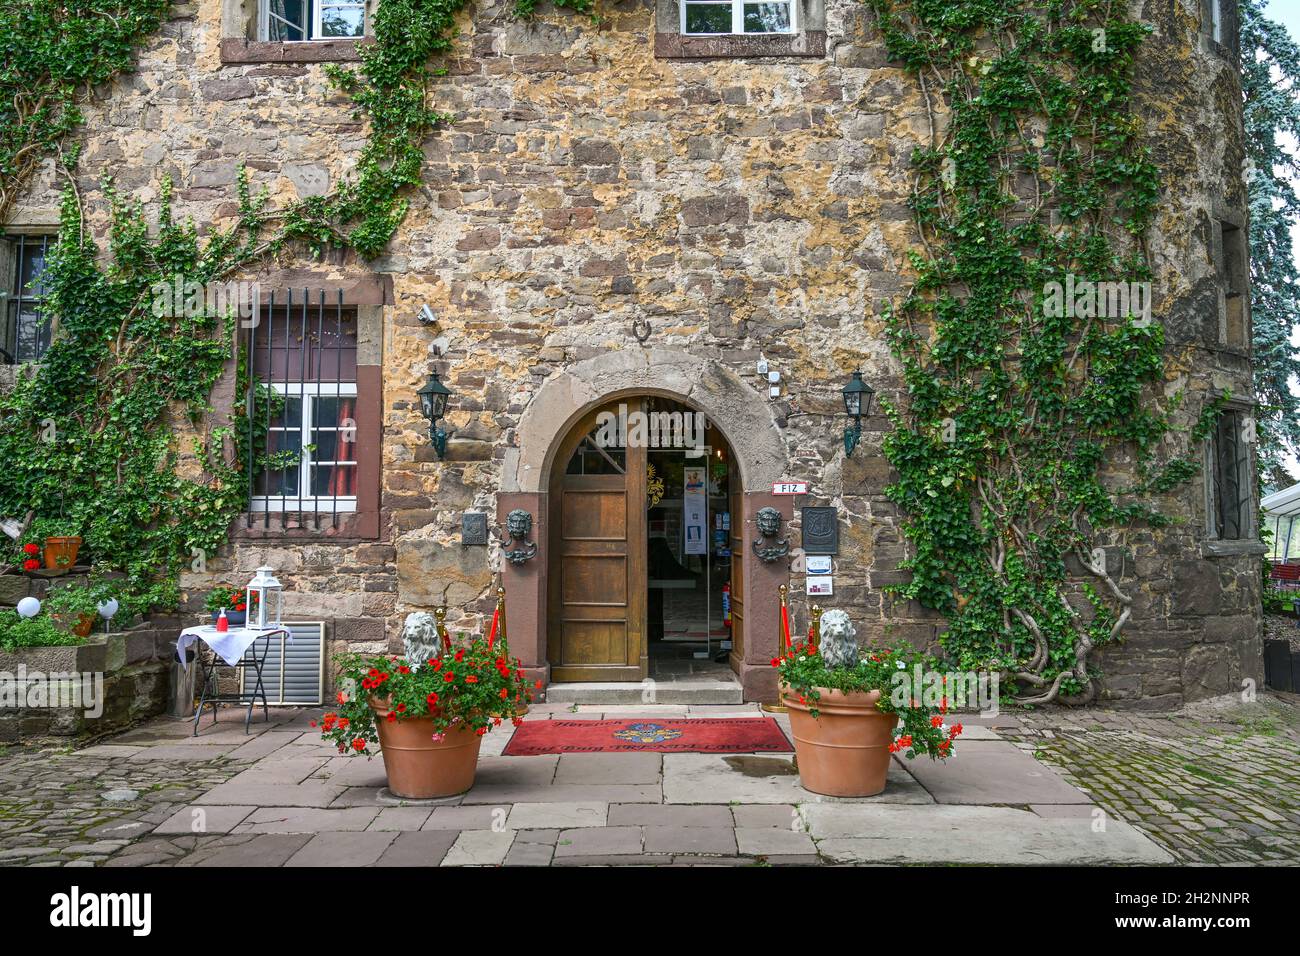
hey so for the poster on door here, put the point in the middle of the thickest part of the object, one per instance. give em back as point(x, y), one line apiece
point(695, 510)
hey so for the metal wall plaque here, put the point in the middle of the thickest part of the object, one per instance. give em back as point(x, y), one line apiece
point(821, 530)
point(473, 528)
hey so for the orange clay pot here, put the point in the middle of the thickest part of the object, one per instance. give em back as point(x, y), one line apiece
point(61, 553)
point(844, 751)
point(419, 767)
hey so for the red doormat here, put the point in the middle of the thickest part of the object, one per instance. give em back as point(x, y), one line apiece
point(721, 735)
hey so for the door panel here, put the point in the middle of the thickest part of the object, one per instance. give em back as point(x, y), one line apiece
point(736, 504)
point(597, 565)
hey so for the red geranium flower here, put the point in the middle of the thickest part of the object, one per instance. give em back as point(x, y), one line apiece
point(391, 717)
point(471, 679)
point(31, 564)
point(431, 699)
point(359, 744)
point(31, 548)
point(504, 693)
point(401, 708)
point(936, 721)
point(449, 677)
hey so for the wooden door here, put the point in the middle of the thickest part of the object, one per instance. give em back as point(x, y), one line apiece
point(736, 505)
point(597, 573)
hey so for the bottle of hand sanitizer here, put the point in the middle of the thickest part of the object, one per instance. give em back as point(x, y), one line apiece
point(223, 623)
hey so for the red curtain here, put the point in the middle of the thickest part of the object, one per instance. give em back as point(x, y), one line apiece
point(343, 478)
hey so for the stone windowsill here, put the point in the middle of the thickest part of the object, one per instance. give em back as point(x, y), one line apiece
point(1225, 549)
point(677, 46)
point(239, 50)
point(351, 526)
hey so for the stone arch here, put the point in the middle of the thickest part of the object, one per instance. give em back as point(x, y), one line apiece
point(742, 415)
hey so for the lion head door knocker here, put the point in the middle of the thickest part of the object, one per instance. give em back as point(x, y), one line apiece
point(519, 525)
point(768, 521)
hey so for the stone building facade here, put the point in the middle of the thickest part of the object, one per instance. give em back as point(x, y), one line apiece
point(620, 211)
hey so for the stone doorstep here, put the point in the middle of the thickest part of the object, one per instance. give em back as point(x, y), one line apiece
point(633, 693)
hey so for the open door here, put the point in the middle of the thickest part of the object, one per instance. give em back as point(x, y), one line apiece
point(597, 581)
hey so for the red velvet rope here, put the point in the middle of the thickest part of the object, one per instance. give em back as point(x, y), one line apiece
point(492, 634)
point(785, 624)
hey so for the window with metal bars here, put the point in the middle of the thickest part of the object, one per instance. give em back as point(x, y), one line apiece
point(26, 332)
point(302, 425)
point(1231, 489)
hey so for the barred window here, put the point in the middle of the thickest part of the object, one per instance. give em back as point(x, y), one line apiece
point(1228, 472)
point(302, 424)
point(26, 332)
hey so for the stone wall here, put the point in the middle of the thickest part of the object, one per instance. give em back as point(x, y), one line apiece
point(745, 208)
point(135, 667)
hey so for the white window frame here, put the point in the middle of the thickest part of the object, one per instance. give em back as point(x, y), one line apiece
point(738, 19)
point(305, 500)
point(313, 27)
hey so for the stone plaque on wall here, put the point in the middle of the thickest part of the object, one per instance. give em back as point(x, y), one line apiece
point(473, 528)
point(821, 531)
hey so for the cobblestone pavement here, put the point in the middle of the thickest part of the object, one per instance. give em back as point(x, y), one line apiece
point(1217, 783)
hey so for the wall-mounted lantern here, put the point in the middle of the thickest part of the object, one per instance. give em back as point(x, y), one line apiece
point(433, 403)
point(857, 403)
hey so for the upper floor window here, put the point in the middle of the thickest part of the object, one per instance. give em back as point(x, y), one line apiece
point(295, 20)
point(26, 333)
point(1232, 266)
point(716, 17)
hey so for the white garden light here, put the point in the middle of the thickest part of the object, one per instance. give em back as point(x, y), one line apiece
point(29, 607)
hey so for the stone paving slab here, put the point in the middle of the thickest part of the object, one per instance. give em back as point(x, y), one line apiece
point(466, 817)
point(401, 818)
point(343, 849)
point(535, 816)
point(426, 848)
point(264, 850)
point(712, 841)
point(1000, 836)
point(269, 794)
point(669, 815)
point(642, 768)
point(716, 778)
point(207, 819)
point(480, 848)
point(564, 793)
point(773, 841)
point(598, 841)
point(306, 820)
point(991, 772)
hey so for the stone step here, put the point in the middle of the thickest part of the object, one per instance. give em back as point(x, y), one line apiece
point(634, 692)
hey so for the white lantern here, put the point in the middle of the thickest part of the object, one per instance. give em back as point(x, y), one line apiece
point(28, 607)
point(264, 612)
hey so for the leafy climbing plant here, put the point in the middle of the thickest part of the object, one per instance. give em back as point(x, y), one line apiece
point(89, 435)
point(1022, 398)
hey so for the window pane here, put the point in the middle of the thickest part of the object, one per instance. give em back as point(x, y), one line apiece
point(330, 337)
point(334, 434)
point(342, 22)
point(33, 335)
point(708, 18)
point(287, 20)
point(331, 481)
point(767, 18)
point(33, 269)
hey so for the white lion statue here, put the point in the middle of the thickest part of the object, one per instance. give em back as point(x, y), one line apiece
point(838, 645)
point(420, 638)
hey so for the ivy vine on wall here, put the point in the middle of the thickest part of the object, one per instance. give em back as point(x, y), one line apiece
point(88, 437)
point(1022, 398)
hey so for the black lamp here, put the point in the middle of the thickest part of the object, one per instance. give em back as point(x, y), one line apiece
point(857, 403)
point(433, 403)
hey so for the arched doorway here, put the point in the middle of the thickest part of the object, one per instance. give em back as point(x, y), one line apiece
point(646, 558)
point(547, 435)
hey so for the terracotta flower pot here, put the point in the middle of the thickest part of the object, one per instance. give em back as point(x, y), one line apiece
point(61, 553)
point(80, 625)
point(420, 767)
point(844, 751)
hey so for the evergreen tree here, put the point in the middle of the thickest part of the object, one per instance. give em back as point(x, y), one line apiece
point(1270, 80)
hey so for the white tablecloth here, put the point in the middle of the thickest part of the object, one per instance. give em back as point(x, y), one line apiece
point(231, 645)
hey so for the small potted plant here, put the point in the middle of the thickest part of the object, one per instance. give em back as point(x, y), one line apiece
point(235, 602)
point(61, 545)
point(74, 608)
point(846, 710)
point(427, 716)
